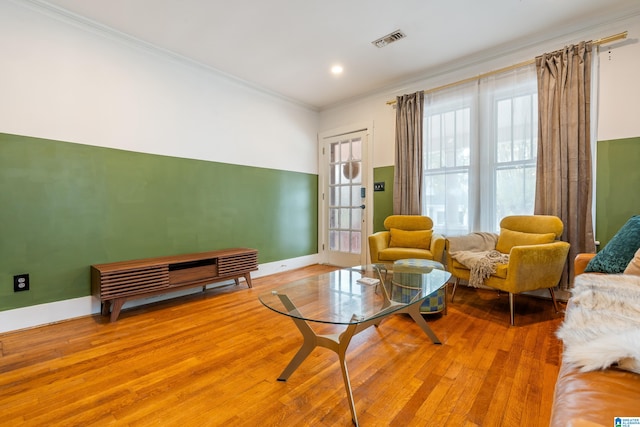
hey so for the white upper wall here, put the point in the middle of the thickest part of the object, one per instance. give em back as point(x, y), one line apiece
point(619, 92)
point(63, 80)
point(618, 95)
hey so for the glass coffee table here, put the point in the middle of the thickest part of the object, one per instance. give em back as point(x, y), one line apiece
point(356, 298)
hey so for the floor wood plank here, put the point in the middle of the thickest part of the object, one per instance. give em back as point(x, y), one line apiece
point(212, 359)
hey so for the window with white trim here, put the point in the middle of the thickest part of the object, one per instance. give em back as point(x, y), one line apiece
point(480, 148)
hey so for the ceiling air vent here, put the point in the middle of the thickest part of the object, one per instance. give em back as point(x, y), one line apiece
point(389, 38)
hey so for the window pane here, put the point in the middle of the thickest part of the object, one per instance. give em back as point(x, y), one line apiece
point(515, 191)
point(432, 142)
point(504, 129)
point(480, 148)
point(447, 202)
point(449, 127)
point(463, 136)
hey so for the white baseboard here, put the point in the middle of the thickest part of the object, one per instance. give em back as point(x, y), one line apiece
point(43, 314)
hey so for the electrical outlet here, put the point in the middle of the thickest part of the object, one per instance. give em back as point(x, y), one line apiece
point(21, 283)
point(378, 186)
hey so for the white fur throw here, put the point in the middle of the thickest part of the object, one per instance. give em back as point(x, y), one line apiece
point(602, 324)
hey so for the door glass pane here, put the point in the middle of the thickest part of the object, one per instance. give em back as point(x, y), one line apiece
point(344, 218)
point(356, 149)
point(356, 217)
point(345, 150)
point(345, 183)
point(356, 238)
point(344, 241)
point(356, 172)
point(333, 196)
point(355, 196)
point(333, 240)
point(334, 174)
point(334, 153)
point(345, 195)
point(333, 218)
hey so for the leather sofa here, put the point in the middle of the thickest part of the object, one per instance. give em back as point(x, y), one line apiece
point(597, 397)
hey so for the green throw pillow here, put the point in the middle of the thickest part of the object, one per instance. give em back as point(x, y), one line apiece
point(619, 252)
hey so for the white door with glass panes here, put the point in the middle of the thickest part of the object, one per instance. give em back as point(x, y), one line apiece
point(344, 198)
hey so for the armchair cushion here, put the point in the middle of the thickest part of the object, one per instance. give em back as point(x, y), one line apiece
point(619, 252)
point(509, 238)
point(419, 239)
point(394, 254)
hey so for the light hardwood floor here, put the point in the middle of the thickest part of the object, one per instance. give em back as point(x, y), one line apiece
point(212, 359)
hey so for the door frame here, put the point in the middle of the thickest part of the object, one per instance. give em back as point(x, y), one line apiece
point(368, 129)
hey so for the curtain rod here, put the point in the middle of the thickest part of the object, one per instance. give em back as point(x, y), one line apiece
point(604, 40)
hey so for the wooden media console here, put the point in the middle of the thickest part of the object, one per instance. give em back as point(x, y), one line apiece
point(117, 282)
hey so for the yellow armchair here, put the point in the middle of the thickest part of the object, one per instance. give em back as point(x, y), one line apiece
point(406, 236)
point(536, 257)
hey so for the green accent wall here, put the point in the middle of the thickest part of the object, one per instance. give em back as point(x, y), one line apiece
point(617, 184)
point(65, 206)
point(382, 200)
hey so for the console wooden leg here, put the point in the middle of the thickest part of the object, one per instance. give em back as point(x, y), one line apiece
point(115, 310)
point(106, 306)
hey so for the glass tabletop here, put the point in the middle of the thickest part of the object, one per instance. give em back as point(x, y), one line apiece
point(356, 294)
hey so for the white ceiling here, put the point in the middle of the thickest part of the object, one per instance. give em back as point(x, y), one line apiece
point(288, 46)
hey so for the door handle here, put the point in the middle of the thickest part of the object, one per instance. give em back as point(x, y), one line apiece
point(362, 206)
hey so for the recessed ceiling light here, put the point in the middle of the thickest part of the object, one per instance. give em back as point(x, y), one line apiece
point(336, 69)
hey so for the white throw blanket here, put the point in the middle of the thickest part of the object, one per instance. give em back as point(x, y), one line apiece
point(480, 264)
point(475, 242)
point(476, 251)
point(602, 325)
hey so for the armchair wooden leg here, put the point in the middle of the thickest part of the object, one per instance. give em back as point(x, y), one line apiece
point(511, 308)
point(455, 285)
point(553, 298)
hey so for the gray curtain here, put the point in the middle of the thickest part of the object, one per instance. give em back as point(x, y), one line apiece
point(564, 182)
point(407, 188)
